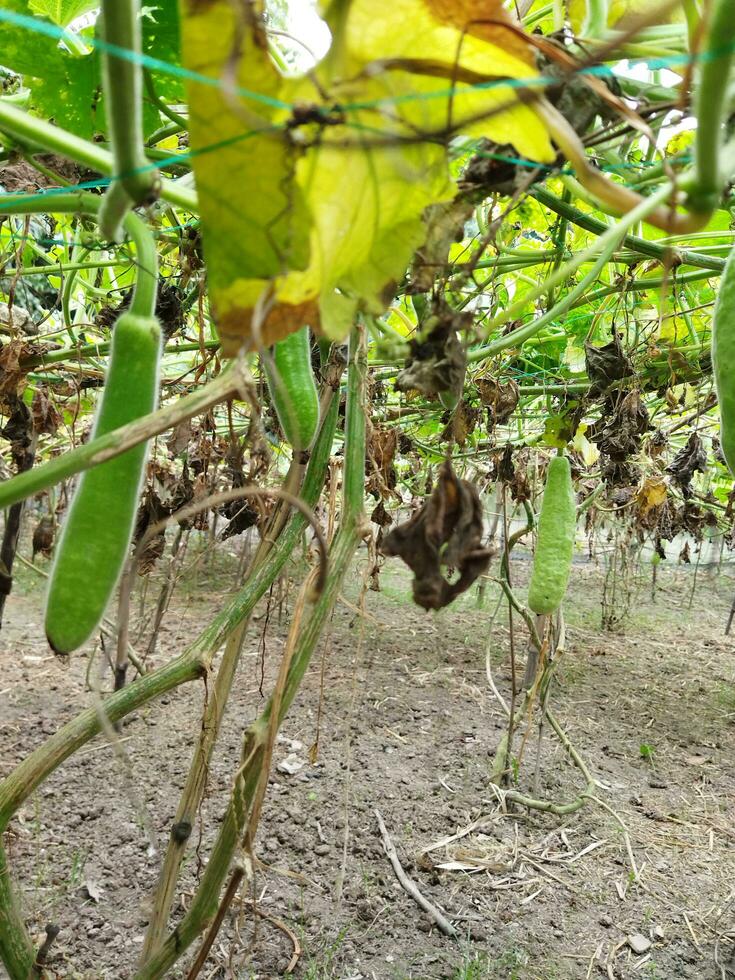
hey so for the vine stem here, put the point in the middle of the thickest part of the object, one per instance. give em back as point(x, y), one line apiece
point(229, 628)
point(677, 256)
point(16, 951)
point(135, 182)
point(206, 902)
point(618, 198)
point(602, 248)
point(230, 383)
point(710, 102)
point(122, 83)
point(39, 133)
point(47, 358)
point(595, 23)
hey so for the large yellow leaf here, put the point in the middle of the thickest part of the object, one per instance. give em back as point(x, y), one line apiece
point(401, 79)
point(254, 220)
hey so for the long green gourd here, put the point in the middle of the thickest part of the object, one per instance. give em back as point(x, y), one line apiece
point(293, 389)
point(98, 528)
point(557, 524)
point(723, 358)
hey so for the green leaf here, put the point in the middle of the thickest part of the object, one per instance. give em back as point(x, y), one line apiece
point(62, 12)
point(160, 29)
point(64, 87)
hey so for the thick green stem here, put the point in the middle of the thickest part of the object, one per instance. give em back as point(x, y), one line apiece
point(46, 136)
point(16, 951)
point(710, 103)
point(115, 204)
point(204, 905)
point(354, 468)
point(122, 82)
point(228, 628)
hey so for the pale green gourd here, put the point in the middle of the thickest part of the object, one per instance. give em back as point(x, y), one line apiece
point(552, 561)
point(98, 527)
point(293, 389)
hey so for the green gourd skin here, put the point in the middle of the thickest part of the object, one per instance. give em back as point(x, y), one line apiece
point(293, 389)
point(557, 524)
point(723, 358)
point(96, 535)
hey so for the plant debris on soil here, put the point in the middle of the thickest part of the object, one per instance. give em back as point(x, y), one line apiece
point(406, 724)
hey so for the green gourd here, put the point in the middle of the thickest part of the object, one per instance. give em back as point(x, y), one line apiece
point(557, 524)
point(723, 358)
point(95, 537)
point(293, 389)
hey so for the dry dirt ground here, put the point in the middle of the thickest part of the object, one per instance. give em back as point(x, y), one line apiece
point(407, 725)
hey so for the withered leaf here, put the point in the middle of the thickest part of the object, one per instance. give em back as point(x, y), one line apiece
point(687, 461)
point(12, 375)
point(619, 473)
point(437, 361)
point(651, 495)
point(501, 397)
point(444, 225)
point(503, 468)
point(43, 536)
point(17, 319)
point(518, 485)
point(179, 438)
point(657, 443)
point(624, 424)
point(380, 516)
point(152, 510)
point(607, 364)
point(242, 514)
point(18, 430)
point(445, 533)
point(462, 423)
point(380, 452)
point(46, 417)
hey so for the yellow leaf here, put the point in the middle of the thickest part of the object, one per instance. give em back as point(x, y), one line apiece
point(672, 329)
point(312, 195)
point(587, 450)
point(254, 221)
point(651, 495)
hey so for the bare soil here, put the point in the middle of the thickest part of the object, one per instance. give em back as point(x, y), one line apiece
point(405, 722)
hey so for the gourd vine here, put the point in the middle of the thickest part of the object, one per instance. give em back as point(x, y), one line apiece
point(367, 342)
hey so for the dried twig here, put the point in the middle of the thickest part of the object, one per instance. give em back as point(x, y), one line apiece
point(409, 886)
